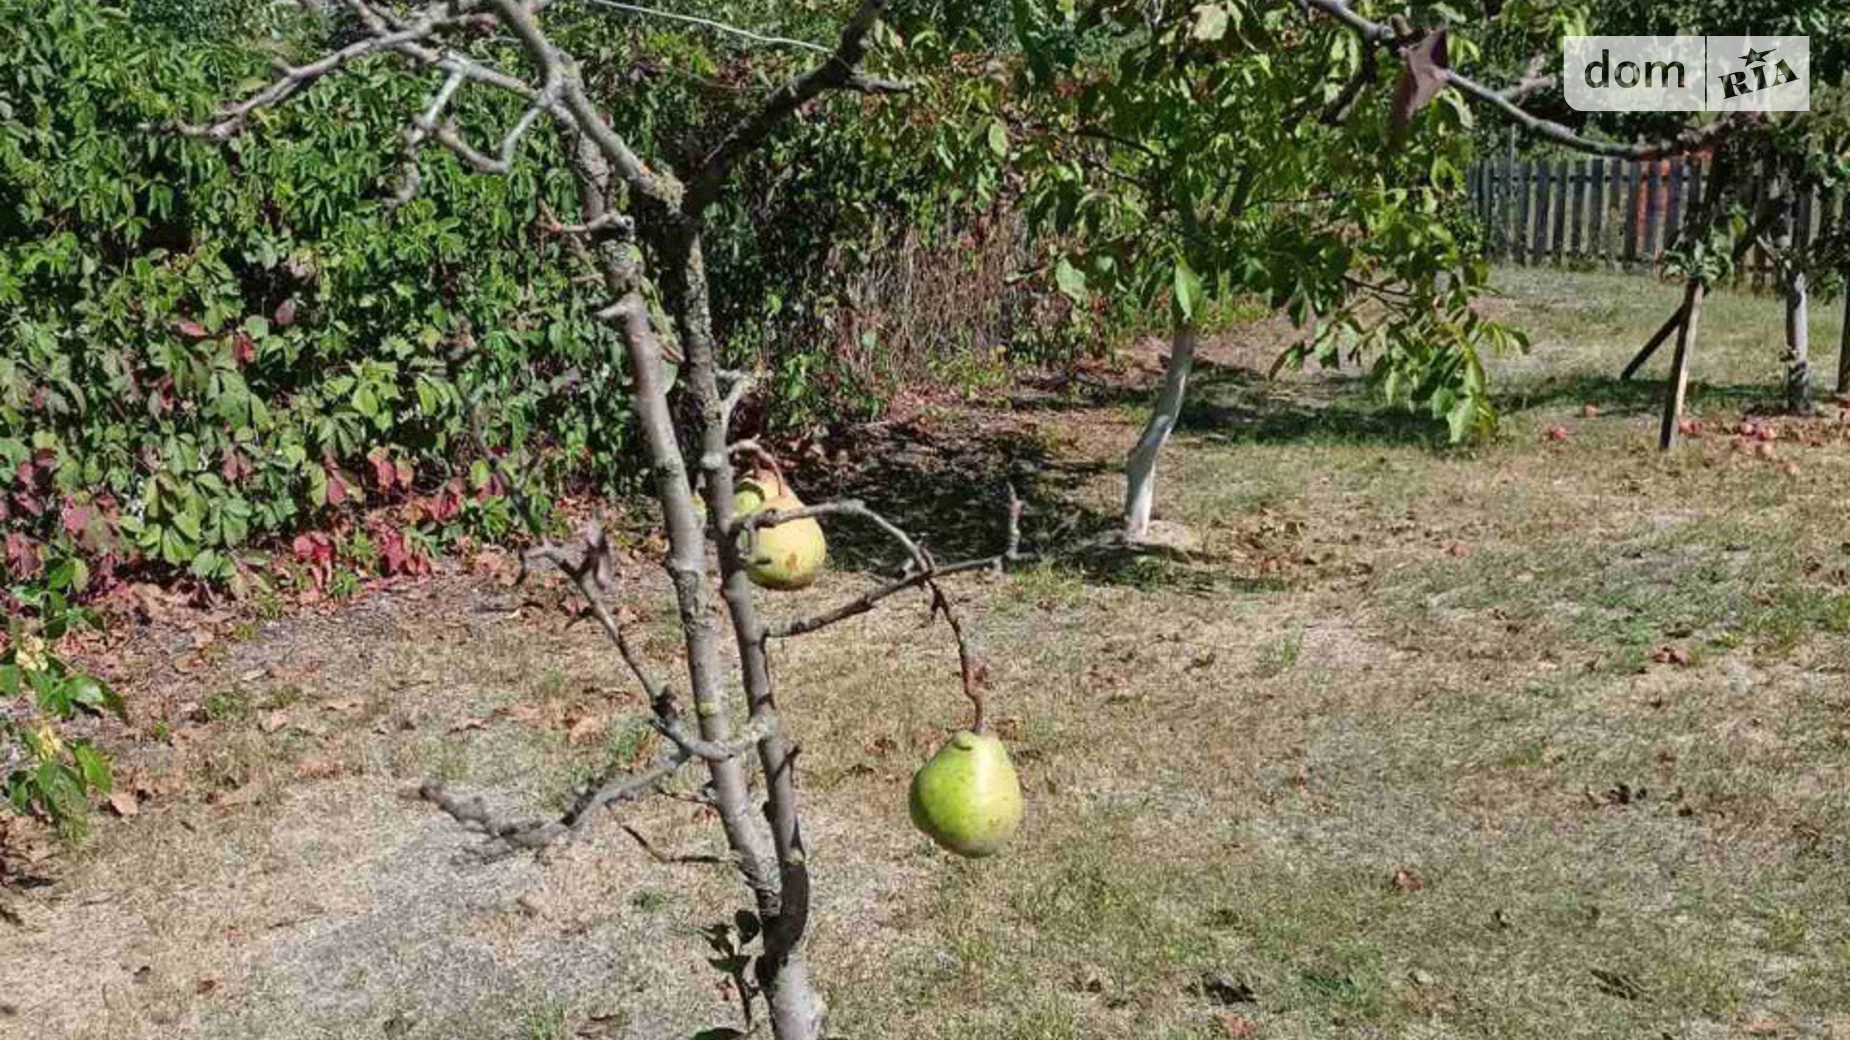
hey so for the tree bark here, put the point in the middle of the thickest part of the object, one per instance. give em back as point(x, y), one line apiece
point(1140, 467)
point(797, 1010)
point(1843, 350)
point(1798, 346)
point(1798, 334)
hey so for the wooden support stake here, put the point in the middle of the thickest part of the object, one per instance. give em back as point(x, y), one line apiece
point(1679, 366)
point(1671, 324)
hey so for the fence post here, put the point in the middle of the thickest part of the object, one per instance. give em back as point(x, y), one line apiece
point(1616, 189)
point(1560, 207)
point(1629, 200)
point(1673, 202)
point(1521, 233)
point(1648, 193)
point(1577, 178)
point(1543, 194)
point(1596, 223)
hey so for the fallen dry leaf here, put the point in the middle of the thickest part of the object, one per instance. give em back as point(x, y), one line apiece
point(1671, 655)
point(468, 724)
point(1407, 881)
point(344, 705)
point(273, 721)
point(585, 730)
point(1236, 1026)
point(317, 768)
point(124, 803)
point(205, 986)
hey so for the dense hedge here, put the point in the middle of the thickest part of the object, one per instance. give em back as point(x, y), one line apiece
point(208, 346)
point(201, 346)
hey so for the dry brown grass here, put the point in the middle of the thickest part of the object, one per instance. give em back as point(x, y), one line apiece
point(1390, 755)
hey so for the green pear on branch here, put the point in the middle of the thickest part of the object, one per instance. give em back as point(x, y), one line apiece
point(967, 798)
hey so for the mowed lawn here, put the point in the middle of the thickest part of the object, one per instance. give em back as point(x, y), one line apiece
point(1548, 737)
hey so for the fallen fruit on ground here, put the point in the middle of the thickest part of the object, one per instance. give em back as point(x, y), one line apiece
point(967, 798)
point(788, 555)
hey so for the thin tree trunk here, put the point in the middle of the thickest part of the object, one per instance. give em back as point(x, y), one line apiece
point(1843, 346)
point(1792, 280)
point(1798, 346)
point(796, 1008)
point(1140, 468)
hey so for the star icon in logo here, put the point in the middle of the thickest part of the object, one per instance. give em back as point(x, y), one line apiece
point(1754, 57)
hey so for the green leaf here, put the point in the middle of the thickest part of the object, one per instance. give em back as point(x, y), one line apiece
point(1071, 280)
point(1188, 295)
point(92, 766)
point(1460, 419)
point(999, 139)
point(1210, 22)
point(96, 695)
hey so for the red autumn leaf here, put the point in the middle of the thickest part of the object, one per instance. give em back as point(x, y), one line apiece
point(22, 557)
point(192, 329)
point(77, 519)
point(26, 472)
point(385, 474)
point(313, 547)
point(1237, 1027)
point(234, 467)
point(392, 552)
point(243, 350)
point(285, 313)
point(337, 488)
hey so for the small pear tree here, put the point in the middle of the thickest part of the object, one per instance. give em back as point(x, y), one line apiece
point(642, 227)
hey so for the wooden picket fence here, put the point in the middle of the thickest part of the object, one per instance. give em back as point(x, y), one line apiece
point(1614, 213)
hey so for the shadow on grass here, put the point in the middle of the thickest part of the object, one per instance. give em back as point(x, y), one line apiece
point(950, 492)
point(1643, 394)
point(1239, 406)
point(948, 484)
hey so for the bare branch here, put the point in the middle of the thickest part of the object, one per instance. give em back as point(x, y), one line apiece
point(912, 576)
point(1505, 101)
point(558, 68)
point(839, 70)
point(231, 118)
point(735, 395)
point(975, 673)
point(779, 41)
point(507, 837)
point(586, 570)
